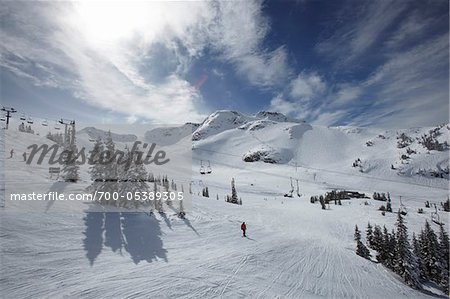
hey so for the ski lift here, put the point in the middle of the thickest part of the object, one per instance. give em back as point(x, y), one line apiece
point(298, 190)
point(289, 194)
point(2, 118)
point(435, 216)
point(22, 117)
point(92, 139)
point(57, 127)
point(402, 208)
point(45, 123)
point(208, 169)
point(202, 169)
point(29, 120)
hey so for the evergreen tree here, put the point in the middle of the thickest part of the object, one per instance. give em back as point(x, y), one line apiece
point(361, 249)
point(388, 204)
point(418, 254)
point(96, 170)
point(133, 177)
point(322, 202)
point(377, 239)
point(369, 235)
point(110, 167)
point(157, 202)
point(444, 259)
point(381, 244)
point(429, 247)
point(405, 262)
point(234, 197)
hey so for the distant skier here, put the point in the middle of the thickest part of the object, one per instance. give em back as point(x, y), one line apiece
point(11, 153)
point(244, 228)
point(24, 156)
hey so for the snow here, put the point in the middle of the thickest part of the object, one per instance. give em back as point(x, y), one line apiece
point(293, 250)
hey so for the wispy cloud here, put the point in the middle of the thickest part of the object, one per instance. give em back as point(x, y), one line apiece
point(238, 34)
point(364, 23)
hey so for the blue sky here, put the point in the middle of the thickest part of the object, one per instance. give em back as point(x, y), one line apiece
point(366, 63)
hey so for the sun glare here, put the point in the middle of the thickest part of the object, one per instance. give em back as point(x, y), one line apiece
point(104, 22)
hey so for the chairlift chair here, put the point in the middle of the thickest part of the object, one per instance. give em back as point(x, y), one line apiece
point(202, 169)
point(45, 123)
point(298, 190)
point(2, 118)
point(435, 216)
point(402, 208)
point(289, 194)
point(30, 120)
point(57, 127)
point(208, 169)
point(23, 117)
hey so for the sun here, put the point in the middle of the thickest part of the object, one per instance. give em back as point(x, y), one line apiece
point(109, 22)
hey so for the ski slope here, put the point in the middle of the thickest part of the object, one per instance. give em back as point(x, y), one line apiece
point(293, 250)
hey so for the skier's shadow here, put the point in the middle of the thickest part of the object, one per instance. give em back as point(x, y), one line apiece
point(251, 239)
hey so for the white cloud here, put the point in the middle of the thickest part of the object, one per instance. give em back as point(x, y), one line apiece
point(307, 86)
point(293, 109)
point(96, 50)
point(346, 94)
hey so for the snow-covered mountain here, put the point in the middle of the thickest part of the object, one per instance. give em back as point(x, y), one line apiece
point(294, 250)
point(94, 133)
point(418, 152)
point(169, 135)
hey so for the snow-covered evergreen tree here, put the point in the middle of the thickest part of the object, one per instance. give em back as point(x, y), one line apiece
point(405, 261)
point(133, 179)
point(110, 167)
point(369, 235)
point(234, 197)
point(361, 249)
point(388, 204)
point(377, 238)
point(444, 258)
point(429, 247)
point(96, 170)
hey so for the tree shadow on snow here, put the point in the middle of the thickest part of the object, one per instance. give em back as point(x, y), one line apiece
point(188, 223)
point(113, 232)
point(137, 233)
point(166, 220)
point(143, 237)
point(93, 241)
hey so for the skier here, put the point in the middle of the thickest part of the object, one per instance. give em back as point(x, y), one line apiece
point(243, 227)
point(12, 153)
point(24, 156)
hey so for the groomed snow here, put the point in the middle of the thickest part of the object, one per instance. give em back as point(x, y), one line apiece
point(293, 250)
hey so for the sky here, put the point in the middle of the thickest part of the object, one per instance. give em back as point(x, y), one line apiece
point(374, 63)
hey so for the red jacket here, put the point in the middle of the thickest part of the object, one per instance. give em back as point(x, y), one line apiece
point(243, 226)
